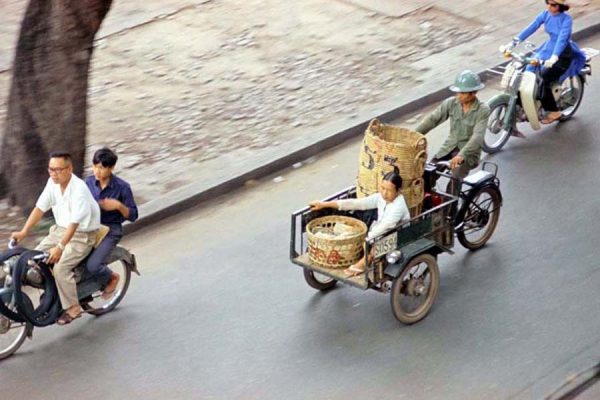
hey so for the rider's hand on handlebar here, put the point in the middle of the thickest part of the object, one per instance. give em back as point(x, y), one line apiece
point(18, 236)
point(508, 48)
point(549, 63)
point(505, 48)
point(456, 161)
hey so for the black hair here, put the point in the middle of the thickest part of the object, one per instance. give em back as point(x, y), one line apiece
point(61, 154)
point(563, 7)
point(106, 157)
point(394, 177)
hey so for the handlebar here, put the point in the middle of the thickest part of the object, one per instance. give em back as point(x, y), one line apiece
point(12, 243)
point(40, 257)
point(522, 58)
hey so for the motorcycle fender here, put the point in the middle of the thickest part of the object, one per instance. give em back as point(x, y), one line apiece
point(528, 92)
point(410, 251)
point(120, 253)
point(499, 98)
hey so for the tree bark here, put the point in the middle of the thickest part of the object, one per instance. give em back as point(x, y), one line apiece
point(47, 103)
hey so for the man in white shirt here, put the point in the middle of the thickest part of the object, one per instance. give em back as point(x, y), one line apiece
point(70, 240)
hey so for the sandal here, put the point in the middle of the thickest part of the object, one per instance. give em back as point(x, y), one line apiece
point(549, 120)
point(353, 270)
point(111, 287)
point(66, 318)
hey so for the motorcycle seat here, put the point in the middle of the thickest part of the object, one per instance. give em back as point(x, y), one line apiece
point(589, 53)
point(478, 177)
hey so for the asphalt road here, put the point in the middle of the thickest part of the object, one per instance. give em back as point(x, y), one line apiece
point(221, 313)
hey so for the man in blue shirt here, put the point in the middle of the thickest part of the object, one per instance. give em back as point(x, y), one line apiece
point(116, 202)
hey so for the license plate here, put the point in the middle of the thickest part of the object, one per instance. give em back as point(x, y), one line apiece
point(385, 245)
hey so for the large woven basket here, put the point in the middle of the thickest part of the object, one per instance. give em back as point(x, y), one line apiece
point(335, 252)
point(413, 192)
point(385, 146)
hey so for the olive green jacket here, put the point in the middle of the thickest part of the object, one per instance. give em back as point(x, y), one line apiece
point(466, 130)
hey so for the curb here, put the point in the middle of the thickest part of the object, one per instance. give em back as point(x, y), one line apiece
point(175, 203)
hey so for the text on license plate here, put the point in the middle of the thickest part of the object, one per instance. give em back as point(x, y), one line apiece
point(385, 245)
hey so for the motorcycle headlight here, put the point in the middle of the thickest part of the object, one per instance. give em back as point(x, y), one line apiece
point(393, 257)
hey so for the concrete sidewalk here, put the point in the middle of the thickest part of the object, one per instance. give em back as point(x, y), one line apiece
point(440, 70)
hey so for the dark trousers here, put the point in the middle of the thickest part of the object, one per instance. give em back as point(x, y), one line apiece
point(96, 264)
point(551, 75)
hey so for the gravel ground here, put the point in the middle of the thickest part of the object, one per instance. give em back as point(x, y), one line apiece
point(220, 77)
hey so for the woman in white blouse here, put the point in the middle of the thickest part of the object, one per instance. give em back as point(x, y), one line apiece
point(390, 205)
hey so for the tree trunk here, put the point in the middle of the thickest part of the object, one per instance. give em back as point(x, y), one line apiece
point(47, 104)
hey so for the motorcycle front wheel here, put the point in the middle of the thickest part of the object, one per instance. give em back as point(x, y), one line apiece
point(496, 134)
point(12, 336)
point(571, 95)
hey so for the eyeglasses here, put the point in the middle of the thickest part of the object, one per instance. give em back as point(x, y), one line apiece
point(56, 170)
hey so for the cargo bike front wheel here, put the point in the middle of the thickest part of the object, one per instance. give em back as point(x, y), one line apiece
point(415, 290)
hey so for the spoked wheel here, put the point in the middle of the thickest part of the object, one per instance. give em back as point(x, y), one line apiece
point(414, 291)
point(571, 94)
point(12, 336)
point(480, 219)
point(97, 305)
point(318, 281)
point(496, 133)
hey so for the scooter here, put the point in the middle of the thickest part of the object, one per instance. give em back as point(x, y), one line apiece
point(520, 101)
point(29, 298)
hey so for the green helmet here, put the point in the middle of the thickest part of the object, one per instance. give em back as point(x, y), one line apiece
point(467, 81)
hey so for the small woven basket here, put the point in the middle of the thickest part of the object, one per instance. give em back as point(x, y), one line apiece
point(335, 252)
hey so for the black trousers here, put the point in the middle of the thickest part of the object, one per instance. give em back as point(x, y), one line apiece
point(551, 75)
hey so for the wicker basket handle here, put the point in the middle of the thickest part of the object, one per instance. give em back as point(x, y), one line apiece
point(374, 126)
point(421, 142)
point(420, 155)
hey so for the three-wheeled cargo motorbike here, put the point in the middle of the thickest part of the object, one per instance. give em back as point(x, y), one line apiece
point(403, 260)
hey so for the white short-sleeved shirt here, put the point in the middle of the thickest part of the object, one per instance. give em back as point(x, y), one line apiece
point(76, 205)
point(388, 214)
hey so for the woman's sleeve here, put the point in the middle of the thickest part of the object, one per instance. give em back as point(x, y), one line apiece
point(391, 218)
point(530, 30)
point(563, 36)
point(366, 203)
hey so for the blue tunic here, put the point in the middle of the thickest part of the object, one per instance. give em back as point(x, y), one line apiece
point(559, 28)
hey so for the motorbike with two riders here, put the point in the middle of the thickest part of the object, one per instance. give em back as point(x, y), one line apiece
point(29, 297)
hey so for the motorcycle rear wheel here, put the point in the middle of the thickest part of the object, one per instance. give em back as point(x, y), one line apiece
point(571, 95)
point(97, 305)
point(480, 219)
point(496, 135)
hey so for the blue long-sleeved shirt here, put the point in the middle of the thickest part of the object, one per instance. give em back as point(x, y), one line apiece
point(116, 189)
point(558, 27)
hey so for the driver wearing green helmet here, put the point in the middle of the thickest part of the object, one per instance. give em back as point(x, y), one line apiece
point(468, 120)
